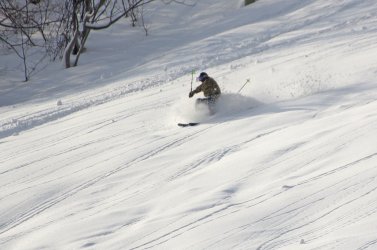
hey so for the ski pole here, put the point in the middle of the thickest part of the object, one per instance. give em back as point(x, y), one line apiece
point(192, 78)
point(248, 80)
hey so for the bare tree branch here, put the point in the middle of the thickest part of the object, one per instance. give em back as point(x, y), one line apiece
point(61, 28)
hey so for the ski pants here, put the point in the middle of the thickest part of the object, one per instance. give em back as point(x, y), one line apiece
point(209, 101)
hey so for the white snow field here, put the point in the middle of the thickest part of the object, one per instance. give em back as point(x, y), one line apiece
point(288, 163)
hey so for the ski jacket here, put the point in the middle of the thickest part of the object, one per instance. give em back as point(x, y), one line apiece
point(209, 87)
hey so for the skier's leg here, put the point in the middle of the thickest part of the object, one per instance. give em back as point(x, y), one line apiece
point(212, 105)
point(200, 101)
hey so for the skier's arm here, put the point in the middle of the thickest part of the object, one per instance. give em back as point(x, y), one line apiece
point(195, 91)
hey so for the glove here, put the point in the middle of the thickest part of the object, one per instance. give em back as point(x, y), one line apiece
point(191, 94)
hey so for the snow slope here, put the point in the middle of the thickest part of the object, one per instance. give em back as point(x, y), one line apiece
point(289, 164)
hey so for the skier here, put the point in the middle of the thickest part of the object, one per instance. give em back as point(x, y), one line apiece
point(211, 91)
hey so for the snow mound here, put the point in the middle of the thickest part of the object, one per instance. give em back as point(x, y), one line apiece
point(228, 104)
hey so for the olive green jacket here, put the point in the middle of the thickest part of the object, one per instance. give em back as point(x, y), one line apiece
point(209, 87)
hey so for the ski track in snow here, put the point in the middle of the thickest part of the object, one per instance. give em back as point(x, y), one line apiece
point(227, 52)
point(113, 171)
point(291, 212)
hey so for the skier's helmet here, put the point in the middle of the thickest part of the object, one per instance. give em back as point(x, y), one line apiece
point(202, 77)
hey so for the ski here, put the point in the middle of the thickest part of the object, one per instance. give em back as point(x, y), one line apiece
point(188, 124)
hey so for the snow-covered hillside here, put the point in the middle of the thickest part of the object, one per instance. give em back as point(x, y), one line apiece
point(288, 163)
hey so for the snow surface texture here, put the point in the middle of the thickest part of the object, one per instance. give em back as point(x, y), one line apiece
point(91, 157)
